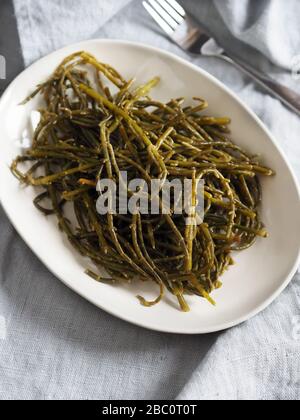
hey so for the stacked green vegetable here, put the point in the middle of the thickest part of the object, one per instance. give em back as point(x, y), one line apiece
point(87, 133)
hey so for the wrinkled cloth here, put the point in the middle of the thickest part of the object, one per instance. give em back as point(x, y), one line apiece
point(55, 345)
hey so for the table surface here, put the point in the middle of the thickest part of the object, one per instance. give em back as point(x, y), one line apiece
point(10, 47)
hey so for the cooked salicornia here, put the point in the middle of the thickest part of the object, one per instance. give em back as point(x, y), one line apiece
point(96, 125)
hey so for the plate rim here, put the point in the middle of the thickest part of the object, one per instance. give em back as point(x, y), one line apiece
point(258, 121)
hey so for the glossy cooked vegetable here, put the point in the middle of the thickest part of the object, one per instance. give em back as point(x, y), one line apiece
point(89, 132)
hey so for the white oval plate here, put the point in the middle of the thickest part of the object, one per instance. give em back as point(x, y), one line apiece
point(260, 273)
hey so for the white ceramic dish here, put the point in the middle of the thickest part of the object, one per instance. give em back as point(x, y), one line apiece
point(260, 274)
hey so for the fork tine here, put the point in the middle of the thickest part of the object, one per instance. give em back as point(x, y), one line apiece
point(163, 14)
point(176, 6)
point(164, 25)
point(172, 12)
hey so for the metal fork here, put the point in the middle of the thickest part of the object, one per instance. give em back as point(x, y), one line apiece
point(185, 32)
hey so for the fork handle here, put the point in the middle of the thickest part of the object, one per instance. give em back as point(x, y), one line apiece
point(286, 95)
